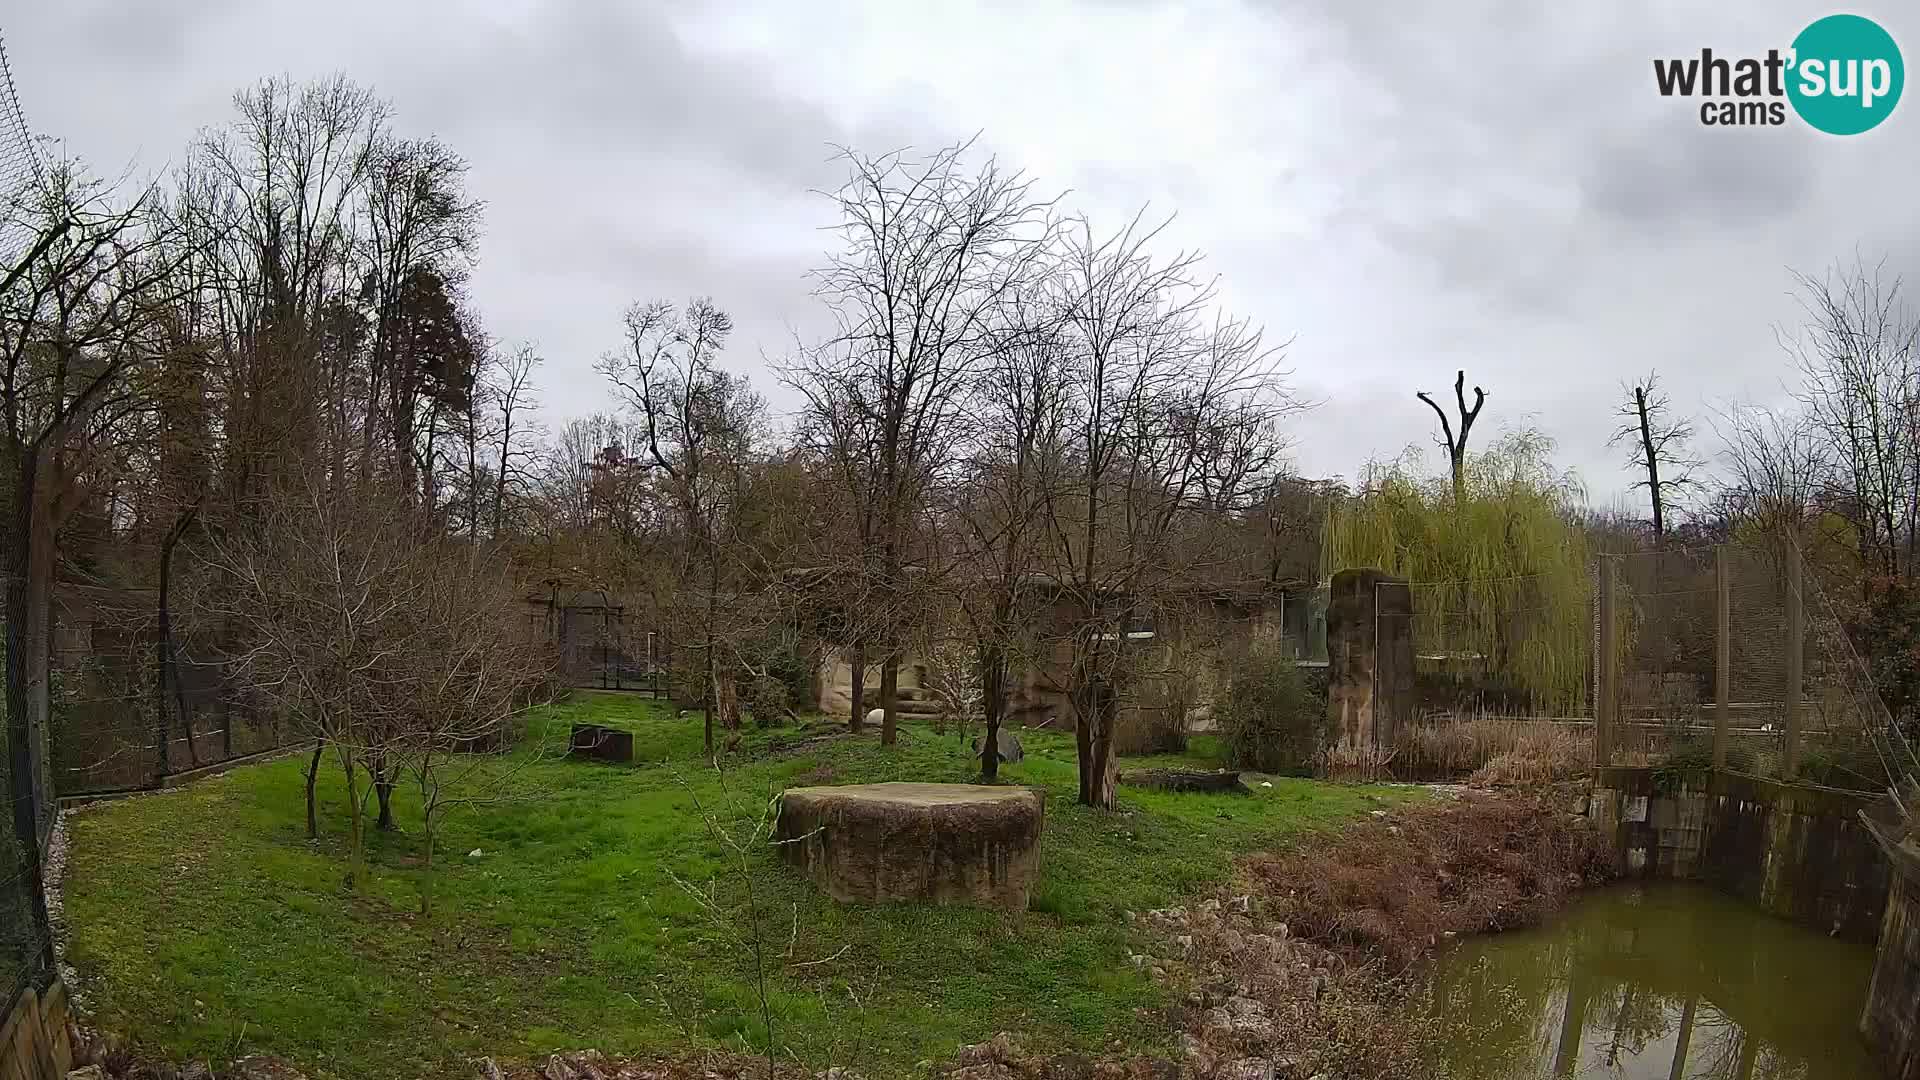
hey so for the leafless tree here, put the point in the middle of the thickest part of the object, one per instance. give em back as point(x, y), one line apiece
point(1776, 464)
point(379, 636)
point(702, 427)
point(1859, 355)
point(1658, 447)
point(1018, 402)
point(928, 249)
point(1172, 419)
point(1456, 445)
point(79, 328)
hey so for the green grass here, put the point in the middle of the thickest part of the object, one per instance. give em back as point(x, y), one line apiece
point(205, 923)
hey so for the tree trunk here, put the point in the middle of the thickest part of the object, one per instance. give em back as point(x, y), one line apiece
point(383, 792)
point(889, 698)
point(709, 699)
point(993, 688)
point(356, 817)
point(857, 667)
point(313, 775)
point(25, 739)
point(165, 665)
point(1094, 708)
point(1652, 457)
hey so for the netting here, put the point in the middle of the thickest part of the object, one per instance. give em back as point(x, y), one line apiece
point(111, 717)
point(1491, 654)
point(19, 167)
point(26, 956)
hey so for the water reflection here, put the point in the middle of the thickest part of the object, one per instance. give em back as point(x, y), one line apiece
point(1661, 983)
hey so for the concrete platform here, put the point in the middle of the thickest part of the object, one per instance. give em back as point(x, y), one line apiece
point(915, 843)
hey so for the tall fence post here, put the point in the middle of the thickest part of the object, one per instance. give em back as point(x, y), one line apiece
point(1722, 655)
point(1796, 658)
point(1606, 706)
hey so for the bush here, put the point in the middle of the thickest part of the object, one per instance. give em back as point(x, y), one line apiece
point(768, 700)
point(1269, 719)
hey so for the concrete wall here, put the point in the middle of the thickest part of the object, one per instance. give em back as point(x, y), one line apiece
point(1891, 1021)
point(34, 1044)
point(1369, 664)
point(1798, 851)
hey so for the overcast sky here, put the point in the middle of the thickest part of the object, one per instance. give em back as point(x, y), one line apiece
point(1402, 190)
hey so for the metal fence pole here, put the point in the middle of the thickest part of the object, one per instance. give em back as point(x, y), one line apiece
point(1606, 707)
point(1722, 655)
point(1796, 657)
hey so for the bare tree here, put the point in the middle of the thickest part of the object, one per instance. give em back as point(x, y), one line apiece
point(1171, 420)
point(1777, 466)
point(1859, 355)
point(510, 394)
point(1456, 446)
point(379, 636)
point(1018, 402)
point(701, 428)
point(929, 248)
point(78, 330)
point(1658, 447)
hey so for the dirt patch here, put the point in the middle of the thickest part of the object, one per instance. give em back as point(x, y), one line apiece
point(1313, 968)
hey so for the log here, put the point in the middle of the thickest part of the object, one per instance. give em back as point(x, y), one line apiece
point(1218, 782)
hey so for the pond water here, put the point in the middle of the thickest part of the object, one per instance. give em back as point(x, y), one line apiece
point(1658, 982)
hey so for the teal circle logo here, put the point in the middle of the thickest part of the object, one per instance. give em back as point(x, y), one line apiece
point(1846, 74)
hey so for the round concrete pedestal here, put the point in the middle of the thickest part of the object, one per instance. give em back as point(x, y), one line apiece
point(920, 843)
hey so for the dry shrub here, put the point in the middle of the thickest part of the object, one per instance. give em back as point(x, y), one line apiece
point(1548, 755)
point(1391, 888)
point(1152, 727)
point(1462, 745)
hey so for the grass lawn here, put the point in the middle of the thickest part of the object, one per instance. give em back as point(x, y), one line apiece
point(204, 922)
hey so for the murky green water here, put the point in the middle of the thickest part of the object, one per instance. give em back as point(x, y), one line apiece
point(1659, 983)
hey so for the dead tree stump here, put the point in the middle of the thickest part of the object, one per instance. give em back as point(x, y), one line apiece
point(918, 843)
point(1185, 780)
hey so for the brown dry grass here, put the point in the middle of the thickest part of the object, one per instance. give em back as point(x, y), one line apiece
point(1509, 751)
point(1392, 887)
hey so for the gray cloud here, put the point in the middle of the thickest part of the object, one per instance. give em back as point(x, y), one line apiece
point(1403, 188)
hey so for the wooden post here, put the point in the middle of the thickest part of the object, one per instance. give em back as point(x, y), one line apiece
point(1796, 657)
point(1722, 655)
point(1606, 708)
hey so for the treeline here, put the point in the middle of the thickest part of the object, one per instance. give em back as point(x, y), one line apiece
point(252, 408)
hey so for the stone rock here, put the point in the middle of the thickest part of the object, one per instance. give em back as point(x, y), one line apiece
point(997, 1050)
point(488, 1069)
point(986, 1070)
point(875, 717)
point(263, 1067)
point(1008, 745)
point(558, 1068)
point(1193, 1051)
point(1249, 1068)
point(926, 843)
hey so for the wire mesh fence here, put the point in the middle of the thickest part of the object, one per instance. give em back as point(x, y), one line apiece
point(1669, 646)
point(599, 644)
point(26, 946)
point(19, 168)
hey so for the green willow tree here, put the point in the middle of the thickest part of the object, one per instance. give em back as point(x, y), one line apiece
point(1500, 575)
